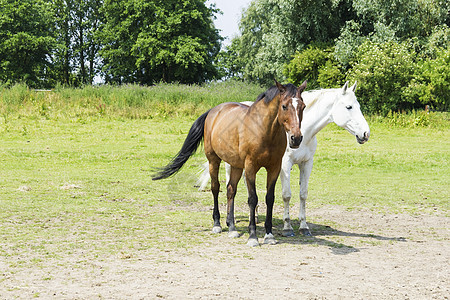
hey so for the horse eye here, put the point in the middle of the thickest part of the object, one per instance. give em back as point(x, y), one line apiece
point(284, 107)
point(348, 107)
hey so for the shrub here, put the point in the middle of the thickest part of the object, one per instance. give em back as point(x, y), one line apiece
point(331, 75)
point(431, 82)
point(383, 71)
point(306, 65)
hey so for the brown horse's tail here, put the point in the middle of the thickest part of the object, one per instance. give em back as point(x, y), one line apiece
point(193, 140)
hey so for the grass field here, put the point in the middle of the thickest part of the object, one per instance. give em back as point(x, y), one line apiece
point(80, 185)
point(61, 178)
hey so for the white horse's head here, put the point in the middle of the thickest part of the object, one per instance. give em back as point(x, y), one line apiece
point(346, 113)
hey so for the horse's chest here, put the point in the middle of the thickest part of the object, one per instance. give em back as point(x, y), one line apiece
point(304, 153)
point(268, 155)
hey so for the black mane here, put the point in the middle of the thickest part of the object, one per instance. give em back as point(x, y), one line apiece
point(268, 95)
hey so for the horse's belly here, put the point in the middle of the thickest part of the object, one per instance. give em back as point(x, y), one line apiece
point(224, 137)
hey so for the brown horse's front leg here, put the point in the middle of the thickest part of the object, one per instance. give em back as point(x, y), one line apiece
point(252, 203)
point(270, 199)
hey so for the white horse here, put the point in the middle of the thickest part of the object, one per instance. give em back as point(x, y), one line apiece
point(322, 108)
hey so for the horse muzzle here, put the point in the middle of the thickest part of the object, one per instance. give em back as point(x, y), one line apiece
point(364, 138)
point(295, 141)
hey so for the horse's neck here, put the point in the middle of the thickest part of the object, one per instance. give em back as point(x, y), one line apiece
point(266, 115)
point(317, 114)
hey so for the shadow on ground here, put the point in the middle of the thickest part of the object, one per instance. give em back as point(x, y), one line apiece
point(322, 235)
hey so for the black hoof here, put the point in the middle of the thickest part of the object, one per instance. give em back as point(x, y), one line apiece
point(305, 232)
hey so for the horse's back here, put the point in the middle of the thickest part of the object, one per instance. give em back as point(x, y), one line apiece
point(225, 114)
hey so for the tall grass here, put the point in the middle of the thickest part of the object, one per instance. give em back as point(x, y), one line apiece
point(130, 101)
point(159, 101)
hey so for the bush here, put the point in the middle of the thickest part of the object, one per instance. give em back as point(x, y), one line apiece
point(383, 71)
point(331, 75)
point(431, 82)
point(307, 64)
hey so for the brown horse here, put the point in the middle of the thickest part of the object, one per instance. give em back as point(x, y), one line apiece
point(249, 137)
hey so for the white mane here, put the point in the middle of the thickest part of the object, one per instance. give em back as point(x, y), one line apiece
point(310, 98)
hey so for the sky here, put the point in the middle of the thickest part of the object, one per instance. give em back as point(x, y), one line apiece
point(228, 22)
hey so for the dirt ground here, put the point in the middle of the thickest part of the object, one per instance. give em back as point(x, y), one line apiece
point(365, 255)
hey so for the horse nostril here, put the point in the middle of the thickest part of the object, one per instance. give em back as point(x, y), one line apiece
point(295, 141)
point(366, 135)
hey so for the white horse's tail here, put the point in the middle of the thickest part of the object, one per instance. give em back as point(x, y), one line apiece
point(204, 177)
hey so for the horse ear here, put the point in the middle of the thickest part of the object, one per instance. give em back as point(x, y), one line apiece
point(301, 88)
point(353, 87)
point(280, 87)
point(344, 88)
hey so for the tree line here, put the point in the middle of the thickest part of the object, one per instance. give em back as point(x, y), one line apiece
point(398, 50)
point(69, 42)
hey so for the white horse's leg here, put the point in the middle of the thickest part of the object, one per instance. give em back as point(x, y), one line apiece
point(204, 178)
point(227, 173)
point(305, 172)
point(285, 178)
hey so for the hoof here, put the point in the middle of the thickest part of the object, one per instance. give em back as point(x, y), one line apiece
point(288, 232)
point(305, 232)
point(269, 239)
point(252, 242)
point(217, 229)
point(233, 234)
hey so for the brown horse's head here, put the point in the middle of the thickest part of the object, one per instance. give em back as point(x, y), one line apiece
point(290, 111)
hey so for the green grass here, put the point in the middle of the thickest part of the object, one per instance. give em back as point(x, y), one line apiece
point(397, 170)
point(77, 181)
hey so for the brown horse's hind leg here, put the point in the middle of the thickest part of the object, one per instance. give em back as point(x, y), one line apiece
point(235, 176)
point(214, 164)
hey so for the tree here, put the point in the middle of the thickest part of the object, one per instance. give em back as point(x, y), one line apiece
point(76, 54)
point(228, 63)
point(272, 31)
point(407, 18)
point(305, 65)
point(26, 41)
point(147, 41)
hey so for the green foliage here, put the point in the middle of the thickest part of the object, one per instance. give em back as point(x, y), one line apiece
point(383, 71)
point(173, 41)
point(75, 57)
point(348, 43)
point(315, 64)
point(26, 41)
point(438, 40)
point(407, 18)
point(274, 30)
point(391, 76)
point(228, 62)
point(431, 82)
point(413, 119)
point(330, 75)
